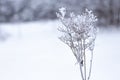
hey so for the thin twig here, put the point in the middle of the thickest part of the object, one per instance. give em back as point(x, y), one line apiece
point(80, 61)
point(90, 65)
point(81, 71)
point(84, 59)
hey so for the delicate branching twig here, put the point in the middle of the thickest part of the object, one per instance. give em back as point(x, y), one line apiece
point(79, 34)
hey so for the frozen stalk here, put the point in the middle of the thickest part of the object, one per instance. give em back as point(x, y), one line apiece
point(79, 33)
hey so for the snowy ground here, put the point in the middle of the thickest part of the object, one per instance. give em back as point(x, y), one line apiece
point(34, 52)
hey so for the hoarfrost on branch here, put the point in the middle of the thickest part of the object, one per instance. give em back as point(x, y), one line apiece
point(79, 33)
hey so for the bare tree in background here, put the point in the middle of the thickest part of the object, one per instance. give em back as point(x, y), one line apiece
point(24, 11)
point(6, 10)
point(108, 11)
point(79, 33)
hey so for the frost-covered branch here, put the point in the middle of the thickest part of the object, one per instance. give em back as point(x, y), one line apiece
point(79, 33)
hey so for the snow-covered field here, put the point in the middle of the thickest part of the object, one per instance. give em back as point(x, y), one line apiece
point(34, 52)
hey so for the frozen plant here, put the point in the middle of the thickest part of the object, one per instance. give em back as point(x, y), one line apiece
point(79, 33)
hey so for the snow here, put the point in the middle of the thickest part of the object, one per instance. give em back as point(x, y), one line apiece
point(34, 52)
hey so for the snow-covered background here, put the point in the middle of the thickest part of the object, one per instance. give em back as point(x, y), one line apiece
point(33, 51)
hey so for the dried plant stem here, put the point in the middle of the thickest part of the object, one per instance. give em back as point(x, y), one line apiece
point(90, 65)
point(80, 61)
point(84, 59)
point(81, 71)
